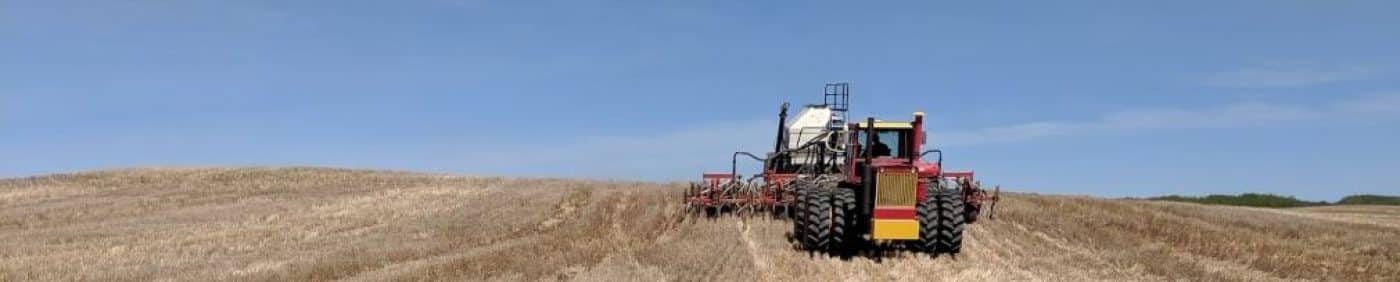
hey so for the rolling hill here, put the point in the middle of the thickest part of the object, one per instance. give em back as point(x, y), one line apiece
point(334, 224)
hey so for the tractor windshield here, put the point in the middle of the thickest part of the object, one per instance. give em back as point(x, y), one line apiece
point(888, 142)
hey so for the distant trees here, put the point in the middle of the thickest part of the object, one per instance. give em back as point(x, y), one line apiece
point(1246, 199)
point(1278, 201)
point(1370, 200)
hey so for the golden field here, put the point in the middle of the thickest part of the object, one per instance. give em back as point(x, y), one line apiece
point(278, 224)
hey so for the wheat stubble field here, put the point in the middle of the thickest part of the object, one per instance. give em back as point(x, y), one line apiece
point(333, 224)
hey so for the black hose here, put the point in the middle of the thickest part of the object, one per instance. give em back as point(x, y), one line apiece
point(734, 162)
point(940, 155)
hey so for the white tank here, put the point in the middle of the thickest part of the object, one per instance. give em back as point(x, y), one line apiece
point(807, 125)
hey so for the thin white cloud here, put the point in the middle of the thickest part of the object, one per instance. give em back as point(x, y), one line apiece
point(682, 153)
point(1244, 114)
point(1288, 75)
point(1371, 104)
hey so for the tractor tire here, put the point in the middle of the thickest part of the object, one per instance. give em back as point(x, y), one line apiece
point(951, 222)
point(817, 236)
point(927, 211)
point(843, 217)
point(799, 221)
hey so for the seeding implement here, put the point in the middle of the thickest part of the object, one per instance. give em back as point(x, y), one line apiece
point(849, 184)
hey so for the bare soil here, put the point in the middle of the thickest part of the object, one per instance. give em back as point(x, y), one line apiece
point(197, 224)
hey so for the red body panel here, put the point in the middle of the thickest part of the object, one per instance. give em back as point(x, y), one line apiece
point(888, 213)
point(958, 173)
point(928, 170)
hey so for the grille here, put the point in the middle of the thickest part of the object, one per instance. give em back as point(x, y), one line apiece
point(895, 188)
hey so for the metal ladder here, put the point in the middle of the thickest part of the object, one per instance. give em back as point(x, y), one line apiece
point(837, 98)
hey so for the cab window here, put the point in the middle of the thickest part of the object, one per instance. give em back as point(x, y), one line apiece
point(890, 142)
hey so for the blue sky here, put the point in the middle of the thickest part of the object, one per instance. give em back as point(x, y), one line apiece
point(1103, 98)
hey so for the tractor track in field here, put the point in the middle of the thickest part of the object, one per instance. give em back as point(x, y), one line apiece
point(278, 224)
point(751, 247)
point(406, 268)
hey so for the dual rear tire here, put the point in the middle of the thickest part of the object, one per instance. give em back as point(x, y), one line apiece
point(815, 222)
point(798, 215)
point(845, 232)
point(824, 220)
point(942, 220)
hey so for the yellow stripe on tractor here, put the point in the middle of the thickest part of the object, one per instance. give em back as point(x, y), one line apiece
point(895, 229)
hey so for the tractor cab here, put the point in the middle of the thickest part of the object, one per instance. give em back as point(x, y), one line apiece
point(883, 144)
point(891, 139)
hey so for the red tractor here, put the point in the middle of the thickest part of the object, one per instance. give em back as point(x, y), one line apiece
point(846, 185)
